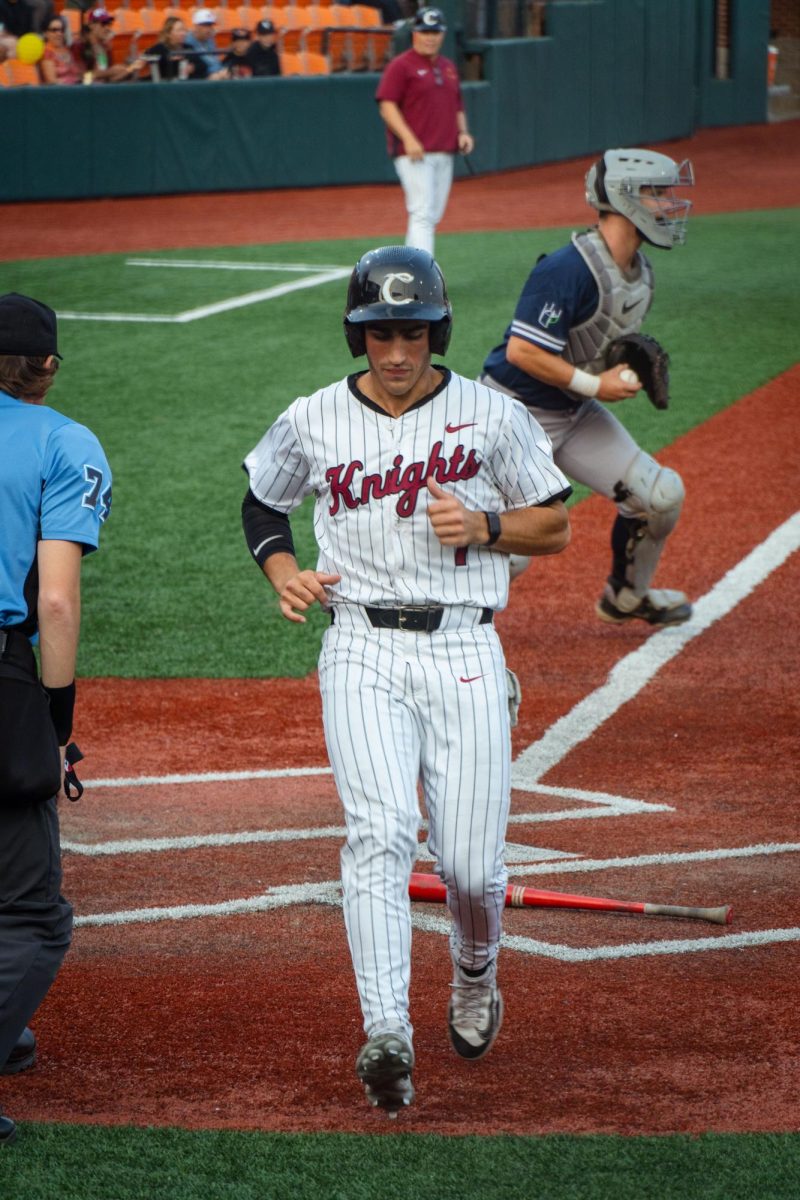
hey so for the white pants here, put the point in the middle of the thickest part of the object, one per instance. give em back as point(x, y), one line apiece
point(401, 709)
point(426, 185)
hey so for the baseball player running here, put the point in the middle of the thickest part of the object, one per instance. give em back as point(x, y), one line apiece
point(575, 303)
point(423, 485)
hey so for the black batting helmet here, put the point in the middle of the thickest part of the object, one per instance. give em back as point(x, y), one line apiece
point(397, 283)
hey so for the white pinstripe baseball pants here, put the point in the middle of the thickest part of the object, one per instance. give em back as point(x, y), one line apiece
point(399, 708)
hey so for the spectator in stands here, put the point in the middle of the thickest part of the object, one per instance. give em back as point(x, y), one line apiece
point(94, 55)
point(262, 53)
point(18, 17)
point(236, 62)
point(419, 100)
point(169, 60)
point(201, 41)
point(58, 64)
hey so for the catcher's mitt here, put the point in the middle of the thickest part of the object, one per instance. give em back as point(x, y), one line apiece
point(648, 359)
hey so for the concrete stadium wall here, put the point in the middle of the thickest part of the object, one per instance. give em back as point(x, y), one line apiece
point(609, 72)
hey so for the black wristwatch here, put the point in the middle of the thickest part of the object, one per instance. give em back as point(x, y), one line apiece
point(493, 521)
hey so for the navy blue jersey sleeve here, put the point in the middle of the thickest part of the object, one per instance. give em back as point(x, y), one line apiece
point(559, 293)
point(76, 497)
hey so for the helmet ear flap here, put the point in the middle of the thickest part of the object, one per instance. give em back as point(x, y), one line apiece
point(600, 180)
point(439, 335)
point(355, 339)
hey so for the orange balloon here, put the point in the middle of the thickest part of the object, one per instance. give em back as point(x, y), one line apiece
point(30, 48)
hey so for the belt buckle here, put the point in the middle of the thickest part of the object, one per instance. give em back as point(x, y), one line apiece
point(401, 616)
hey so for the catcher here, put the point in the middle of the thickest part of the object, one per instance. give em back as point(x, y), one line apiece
point(574, 341)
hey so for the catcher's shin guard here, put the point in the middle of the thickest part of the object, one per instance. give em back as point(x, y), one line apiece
point(637, 541)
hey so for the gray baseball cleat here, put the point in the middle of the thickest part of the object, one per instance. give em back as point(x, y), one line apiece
point(8, 1130)
point(475, 1013)
point(384, 1066)
point(656, 607)
point(514, 696)
point(23, 1054)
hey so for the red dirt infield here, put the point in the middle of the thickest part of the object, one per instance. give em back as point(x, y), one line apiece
point(247, 1018)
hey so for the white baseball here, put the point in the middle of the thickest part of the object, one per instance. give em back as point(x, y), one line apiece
point(628, 376)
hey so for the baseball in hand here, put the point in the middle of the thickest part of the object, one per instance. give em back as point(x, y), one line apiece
point(628, 376)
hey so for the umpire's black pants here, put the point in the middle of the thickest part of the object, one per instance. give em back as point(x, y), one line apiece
point(35, 919)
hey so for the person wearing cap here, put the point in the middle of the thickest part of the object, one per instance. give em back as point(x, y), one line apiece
point(208, 62)
point(236, 62)
point(419, 100)
point(94, 53)
point(262, 54)
point(55, 493)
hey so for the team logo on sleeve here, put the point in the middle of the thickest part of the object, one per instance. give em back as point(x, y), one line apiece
point(549, 315)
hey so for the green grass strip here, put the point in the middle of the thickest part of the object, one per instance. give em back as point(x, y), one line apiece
point(173, 591)
point(74, 1162)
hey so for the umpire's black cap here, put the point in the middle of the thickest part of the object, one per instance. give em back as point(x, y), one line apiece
point(27, 327)
point(429, 20)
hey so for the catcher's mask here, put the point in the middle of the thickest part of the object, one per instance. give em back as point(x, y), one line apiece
point(397, 283)
point(639, 184)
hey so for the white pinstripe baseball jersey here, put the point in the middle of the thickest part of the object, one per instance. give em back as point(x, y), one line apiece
point(367, 471)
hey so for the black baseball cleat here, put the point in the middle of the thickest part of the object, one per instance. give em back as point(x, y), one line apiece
point(658, 607)
point(384, 1066)
point(22, 1056)
point(8, 1130)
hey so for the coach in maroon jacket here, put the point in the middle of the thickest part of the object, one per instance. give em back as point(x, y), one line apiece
point(419, 99)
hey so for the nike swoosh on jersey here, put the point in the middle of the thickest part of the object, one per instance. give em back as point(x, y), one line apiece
point(471, 679)
point(626, 308)
point(456, 428)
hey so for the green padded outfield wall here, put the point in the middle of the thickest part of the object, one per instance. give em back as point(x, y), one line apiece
point(609, 72)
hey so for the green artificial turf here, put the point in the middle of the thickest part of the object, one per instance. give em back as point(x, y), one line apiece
point(173, 591)
point(59, 1162)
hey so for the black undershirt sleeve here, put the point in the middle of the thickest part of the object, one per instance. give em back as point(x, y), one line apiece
point(266, 530)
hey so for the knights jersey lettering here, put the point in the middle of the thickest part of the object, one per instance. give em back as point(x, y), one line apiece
point(367, 472)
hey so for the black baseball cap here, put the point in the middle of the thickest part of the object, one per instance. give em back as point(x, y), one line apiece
point(240, 35)
point(430, 20)
point(265, 27)
point(27, 327)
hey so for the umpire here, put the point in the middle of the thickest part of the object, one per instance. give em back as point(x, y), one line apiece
point(55, 491)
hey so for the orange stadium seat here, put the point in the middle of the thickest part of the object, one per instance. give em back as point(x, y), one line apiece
point(315, 64)
point(363, 14)
point(291, 64)
point(291, 35)
point(130, 20)
point(171, 10)
point(73, 20)
point(19, 74)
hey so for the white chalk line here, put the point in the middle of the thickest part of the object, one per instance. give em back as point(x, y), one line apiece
point(329, 893)
point(635, 671)
point(659, 860)
point(626, 680)
point(211, 264)
point(516, 853)
point(221, 306)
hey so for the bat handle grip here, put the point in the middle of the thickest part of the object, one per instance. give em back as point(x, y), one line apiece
point(720, 916)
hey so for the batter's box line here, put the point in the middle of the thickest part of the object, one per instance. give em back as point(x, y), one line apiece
point(329, 893)
point(606, 806)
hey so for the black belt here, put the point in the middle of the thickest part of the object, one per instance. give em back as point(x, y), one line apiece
point(414, 618)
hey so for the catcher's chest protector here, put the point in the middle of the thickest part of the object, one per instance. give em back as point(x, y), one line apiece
point(624, 302)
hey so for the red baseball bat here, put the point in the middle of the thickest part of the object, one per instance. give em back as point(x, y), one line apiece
point(431, 888)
